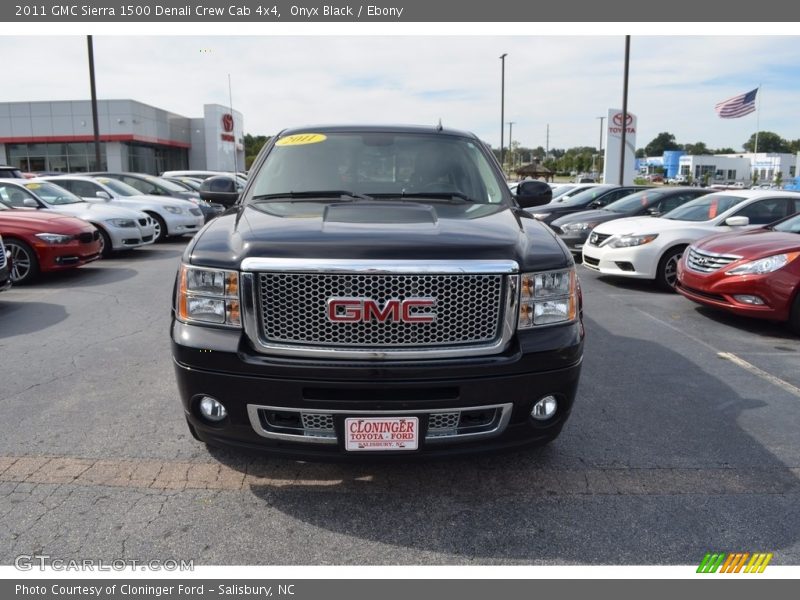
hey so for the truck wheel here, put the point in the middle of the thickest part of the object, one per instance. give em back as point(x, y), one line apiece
point(794, 317)
point(667, 272)
point(24, 264)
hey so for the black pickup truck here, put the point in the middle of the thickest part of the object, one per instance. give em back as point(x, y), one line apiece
point(377, 291)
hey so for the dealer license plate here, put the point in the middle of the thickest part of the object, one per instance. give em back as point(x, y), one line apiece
point(381, 433)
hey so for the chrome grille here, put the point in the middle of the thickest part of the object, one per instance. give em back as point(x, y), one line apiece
point(2, 254)
point(317, 421)
point(708, 262)
point(468, 309)
point(447, 420)
point(595, 239)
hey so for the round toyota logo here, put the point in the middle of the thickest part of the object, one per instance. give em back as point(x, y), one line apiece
point(618, 120)
point(227, 122)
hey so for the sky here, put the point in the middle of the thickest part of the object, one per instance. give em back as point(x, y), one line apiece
point(566, 82)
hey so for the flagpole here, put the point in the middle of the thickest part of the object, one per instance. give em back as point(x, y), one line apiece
point(758, 120)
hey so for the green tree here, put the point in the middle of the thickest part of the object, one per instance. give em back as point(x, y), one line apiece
point(779, 179)
point(640, 153)
point(662, 142)
point(696, 149)
point(767, 142)
point(723, 151)
point(252, 146)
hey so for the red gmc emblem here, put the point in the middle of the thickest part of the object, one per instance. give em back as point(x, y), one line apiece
point(365, 310)
point(227, 122)
point(618, 119)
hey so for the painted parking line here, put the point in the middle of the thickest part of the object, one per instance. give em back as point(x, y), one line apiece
point(525, 481)
point(784, 385)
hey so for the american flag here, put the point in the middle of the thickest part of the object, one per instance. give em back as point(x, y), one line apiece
point(738, 106)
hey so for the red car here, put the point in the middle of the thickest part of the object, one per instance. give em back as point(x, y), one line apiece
point(755, 273)
point(41, 242)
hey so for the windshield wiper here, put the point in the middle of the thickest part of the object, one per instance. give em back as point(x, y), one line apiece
point(314, 195)
point(432, 196)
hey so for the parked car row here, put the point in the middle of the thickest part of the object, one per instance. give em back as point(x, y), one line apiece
point(65, 221)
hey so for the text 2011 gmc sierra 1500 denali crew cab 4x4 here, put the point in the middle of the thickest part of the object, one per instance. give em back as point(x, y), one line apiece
point(377, 290)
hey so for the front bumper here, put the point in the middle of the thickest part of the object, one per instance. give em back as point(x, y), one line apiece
point(717, 290)
point(183, 223)
point(638, 262)
point(574, 241)
point(57, 257)
point(221, 364)
point(131, 237)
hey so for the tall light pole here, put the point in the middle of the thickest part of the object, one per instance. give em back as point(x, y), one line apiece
point(624, 109)
point(510, 155)
point(95, 125)
point(600, 146)
point(502, 103)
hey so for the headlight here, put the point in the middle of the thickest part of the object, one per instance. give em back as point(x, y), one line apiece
point(55, 238)
point(547, 298)
point(764, 265)
point(578, 226)
point(540, 216)
point(208, 296)
point(175, 210)
point(626, 241)
point(122, 222)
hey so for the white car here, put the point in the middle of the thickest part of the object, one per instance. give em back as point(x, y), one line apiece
point(172, 216)
point(648, 248)
point(120, 228)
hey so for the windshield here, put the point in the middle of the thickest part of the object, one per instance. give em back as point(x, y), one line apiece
point(377, 164)
point(53, 194)
point(167, 185)
point(790, 225)
point(585, 197)
point(705, 208)
point(123, 189)
point(561, 190)
point(635, 201)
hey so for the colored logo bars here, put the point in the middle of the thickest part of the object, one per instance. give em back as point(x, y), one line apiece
point(743, 562)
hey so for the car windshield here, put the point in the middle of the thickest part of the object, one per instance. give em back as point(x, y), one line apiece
point(705, 208)
point(561, 190)
point(635, 201)
point(586, 196)
point(123, 189)
point(167, 185)
point(790, 225)
point(53, 194)
point(379, 165)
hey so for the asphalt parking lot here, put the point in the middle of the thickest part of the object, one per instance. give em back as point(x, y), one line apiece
point(684, 439)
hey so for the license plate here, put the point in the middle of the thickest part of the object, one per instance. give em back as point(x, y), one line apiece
point(372, 434)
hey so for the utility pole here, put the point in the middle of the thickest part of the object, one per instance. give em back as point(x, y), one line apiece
point(510, 149)
point(624, 110)
point(547, 143)
point(502, 103)
point(95, 124)
point(600, 146)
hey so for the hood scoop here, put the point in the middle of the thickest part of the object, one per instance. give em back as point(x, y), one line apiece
point(379, 213)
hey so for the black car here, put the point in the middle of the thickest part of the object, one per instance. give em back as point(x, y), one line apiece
point(574, 229)
point(5, 267)
point(596, 196)
point(377, 291)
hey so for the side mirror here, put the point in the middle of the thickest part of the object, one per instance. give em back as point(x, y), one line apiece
point(221, 189)
point(737, 221)
point(595, 204)
point(652, 212)
point(533, 193)
point(103, 195)
point(30, 203)
point(224, 198)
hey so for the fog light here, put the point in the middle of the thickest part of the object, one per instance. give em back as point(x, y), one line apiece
point(212, 410)
point(544, 408)
point(748, 299)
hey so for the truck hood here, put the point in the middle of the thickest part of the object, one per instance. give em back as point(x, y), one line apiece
point(377, 230)
point(752, 244)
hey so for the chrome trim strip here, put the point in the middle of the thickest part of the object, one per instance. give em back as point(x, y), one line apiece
point(379, 267)
point(502, 422)
point(250, 316)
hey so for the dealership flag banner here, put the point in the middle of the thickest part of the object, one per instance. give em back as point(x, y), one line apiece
point(738, 106)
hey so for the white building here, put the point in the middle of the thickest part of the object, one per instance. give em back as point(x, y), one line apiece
point(58, 137)
point(739, 167)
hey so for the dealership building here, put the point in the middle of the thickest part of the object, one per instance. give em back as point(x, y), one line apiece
point(743, 167)
point(59, 137)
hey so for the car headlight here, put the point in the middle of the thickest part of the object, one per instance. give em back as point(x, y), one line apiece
point(175, 210)
point(55, 238)
point(627, 241)
point(208, 296)
point(122, 222)
point(764, 265)
point(540, 216)
point(578, 226)
point(547, 298)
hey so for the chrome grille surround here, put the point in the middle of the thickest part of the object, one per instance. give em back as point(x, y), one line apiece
point(708, 262)
point(597, 239)
point(391, 340)
point(328, 436)
point(2, 254)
